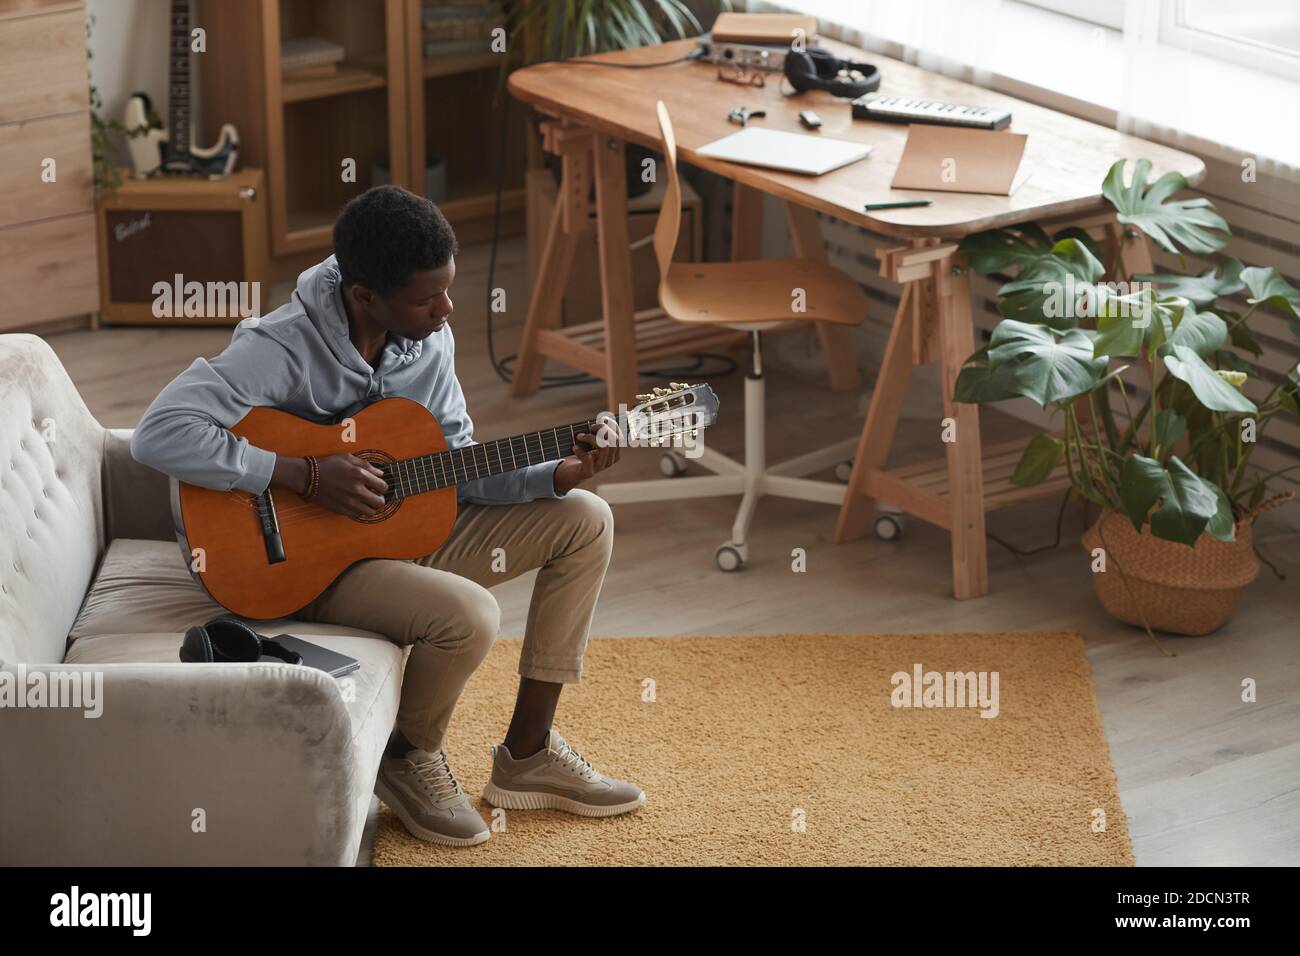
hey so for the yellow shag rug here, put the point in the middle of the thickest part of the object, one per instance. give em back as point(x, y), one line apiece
point(789, 750)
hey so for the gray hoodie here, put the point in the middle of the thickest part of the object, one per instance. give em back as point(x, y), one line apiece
point(300, 360)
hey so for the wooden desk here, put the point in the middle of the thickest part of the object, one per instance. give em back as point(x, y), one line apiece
point(597, 109)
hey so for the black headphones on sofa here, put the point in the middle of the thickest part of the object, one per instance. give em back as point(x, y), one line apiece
point(226, 641)
point(814, 69)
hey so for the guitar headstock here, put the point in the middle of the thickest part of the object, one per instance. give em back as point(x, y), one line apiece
point(677, 411)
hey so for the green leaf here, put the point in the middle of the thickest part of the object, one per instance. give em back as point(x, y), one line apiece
point(1187, 503)
point(1267, 286)
point(1085, 237)
point(1224, 524)
point(1289, 392)
point(1046, 370)
point(1223, 280)
point(1202, 332)
point(1041, 457)
point(997, 250)
point(977, 384)
point(1050, 290)
point(1191, 223)
point(1125, 323)
point(1128, 323)
point(1170, 426)
point(1210, 389)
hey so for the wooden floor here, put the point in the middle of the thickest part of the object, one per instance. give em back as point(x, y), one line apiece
point(1204, 778)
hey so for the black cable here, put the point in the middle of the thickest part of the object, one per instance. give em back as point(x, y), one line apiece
point(1022, 553)
point(695, 54)
point(502, 366)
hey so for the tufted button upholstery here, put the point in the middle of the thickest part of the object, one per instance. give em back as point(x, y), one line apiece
point(53, 447)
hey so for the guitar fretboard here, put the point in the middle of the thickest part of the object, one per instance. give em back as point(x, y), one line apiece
point(414, 476)
point(178, 114)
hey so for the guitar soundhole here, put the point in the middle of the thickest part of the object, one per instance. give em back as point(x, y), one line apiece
point(381, 460)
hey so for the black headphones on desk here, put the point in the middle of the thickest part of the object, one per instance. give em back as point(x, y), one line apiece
point(814, 69)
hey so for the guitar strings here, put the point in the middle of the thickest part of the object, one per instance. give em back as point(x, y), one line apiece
point(426, 471)
point(287, 514)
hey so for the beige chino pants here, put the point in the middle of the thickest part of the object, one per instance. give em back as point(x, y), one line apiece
point(439, 605)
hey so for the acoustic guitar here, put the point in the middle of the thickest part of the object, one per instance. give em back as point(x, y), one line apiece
point(267, 555)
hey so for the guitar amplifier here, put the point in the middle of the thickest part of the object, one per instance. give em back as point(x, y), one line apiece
point(180, 250)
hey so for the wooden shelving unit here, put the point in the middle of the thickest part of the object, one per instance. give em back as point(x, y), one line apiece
point(457, 100)
point(349, 79)
point(387, 109)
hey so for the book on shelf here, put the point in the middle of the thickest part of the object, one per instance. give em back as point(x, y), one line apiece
point(303, 52)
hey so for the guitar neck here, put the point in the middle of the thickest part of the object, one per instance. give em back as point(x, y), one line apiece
point(178, 87)
point(415, 476)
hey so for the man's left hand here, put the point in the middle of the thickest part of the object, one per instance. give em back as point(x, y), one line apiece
point(581, 465)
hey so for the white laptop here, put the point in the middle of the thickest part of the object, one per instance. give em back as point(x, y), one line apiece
point(808, 153)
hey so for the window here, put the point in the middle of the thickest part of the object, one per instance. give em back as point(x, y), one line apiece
point(1262, 34)
point(1104, 13)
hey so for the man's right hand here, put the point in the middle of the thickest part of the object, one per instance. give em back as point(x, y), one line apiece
point(349, 485)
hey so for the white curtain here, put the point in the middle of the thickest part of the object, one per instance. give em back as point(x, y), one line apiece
point(955, 39)
point(1159, 89)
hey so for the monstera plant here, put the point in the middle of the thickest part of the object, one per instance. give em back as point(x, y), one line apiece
point(1145, 375)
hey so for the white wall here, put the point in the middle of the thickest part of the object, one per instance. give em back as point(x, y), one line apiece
point(128, 52)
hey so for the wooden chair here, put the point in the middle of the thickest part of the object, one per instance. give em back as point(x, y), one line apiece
point(763, 295)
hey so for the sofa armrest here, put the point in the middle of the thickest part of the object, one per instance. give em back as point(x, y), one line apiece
point(137, 498)
point(264, 751)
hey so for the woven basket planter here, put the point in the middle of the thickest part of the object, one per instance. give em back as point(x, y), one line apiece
point(1177, 589)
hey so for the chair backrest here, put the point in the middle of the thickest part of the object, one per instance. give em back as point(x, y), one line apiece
point(670, 213)
point(51, 509)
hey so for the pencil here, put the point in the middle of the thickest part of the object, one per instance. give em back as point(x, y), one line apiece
point(901, 204)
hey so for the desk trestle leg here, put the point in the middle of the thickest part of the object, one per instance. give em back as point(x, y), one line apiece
point(569, 220)
point(933, 323)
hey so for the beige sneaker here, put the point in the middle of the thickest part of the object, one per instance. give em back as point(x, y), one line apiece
point(557, 778)
point(427, 798)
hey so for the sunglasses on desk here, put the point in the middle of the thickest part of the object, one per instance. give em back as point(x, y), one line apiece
point(735, 73)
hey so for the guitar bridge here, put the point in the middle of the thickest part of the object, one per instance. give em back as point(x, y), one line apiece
point(270, 522)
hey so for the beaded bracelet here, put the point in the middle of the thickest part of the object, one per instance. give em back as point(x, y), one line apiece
point(313, 479)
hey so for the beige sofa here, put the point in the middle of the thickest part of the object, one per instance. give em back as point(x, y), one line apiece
point(187, 763)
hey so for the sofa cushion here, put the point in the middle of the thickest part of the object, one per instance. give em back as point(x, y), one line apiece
point(142, 586)
point(143, 599)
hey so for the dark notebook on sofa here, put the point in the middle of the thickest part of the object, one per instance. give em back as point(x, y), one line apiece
point(321, 658)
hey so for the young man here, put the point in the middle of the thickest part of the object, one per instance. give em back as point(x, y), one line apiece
point(368, 323)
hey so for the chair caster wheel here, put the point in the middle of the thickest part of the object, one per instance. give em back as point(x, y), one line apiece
point(672, 464)
point(729, 557)
point(844, 471)
point(889, 527)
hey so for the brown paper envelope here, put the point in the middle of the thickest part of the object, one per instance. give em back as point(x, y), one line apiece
point(955, 160)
